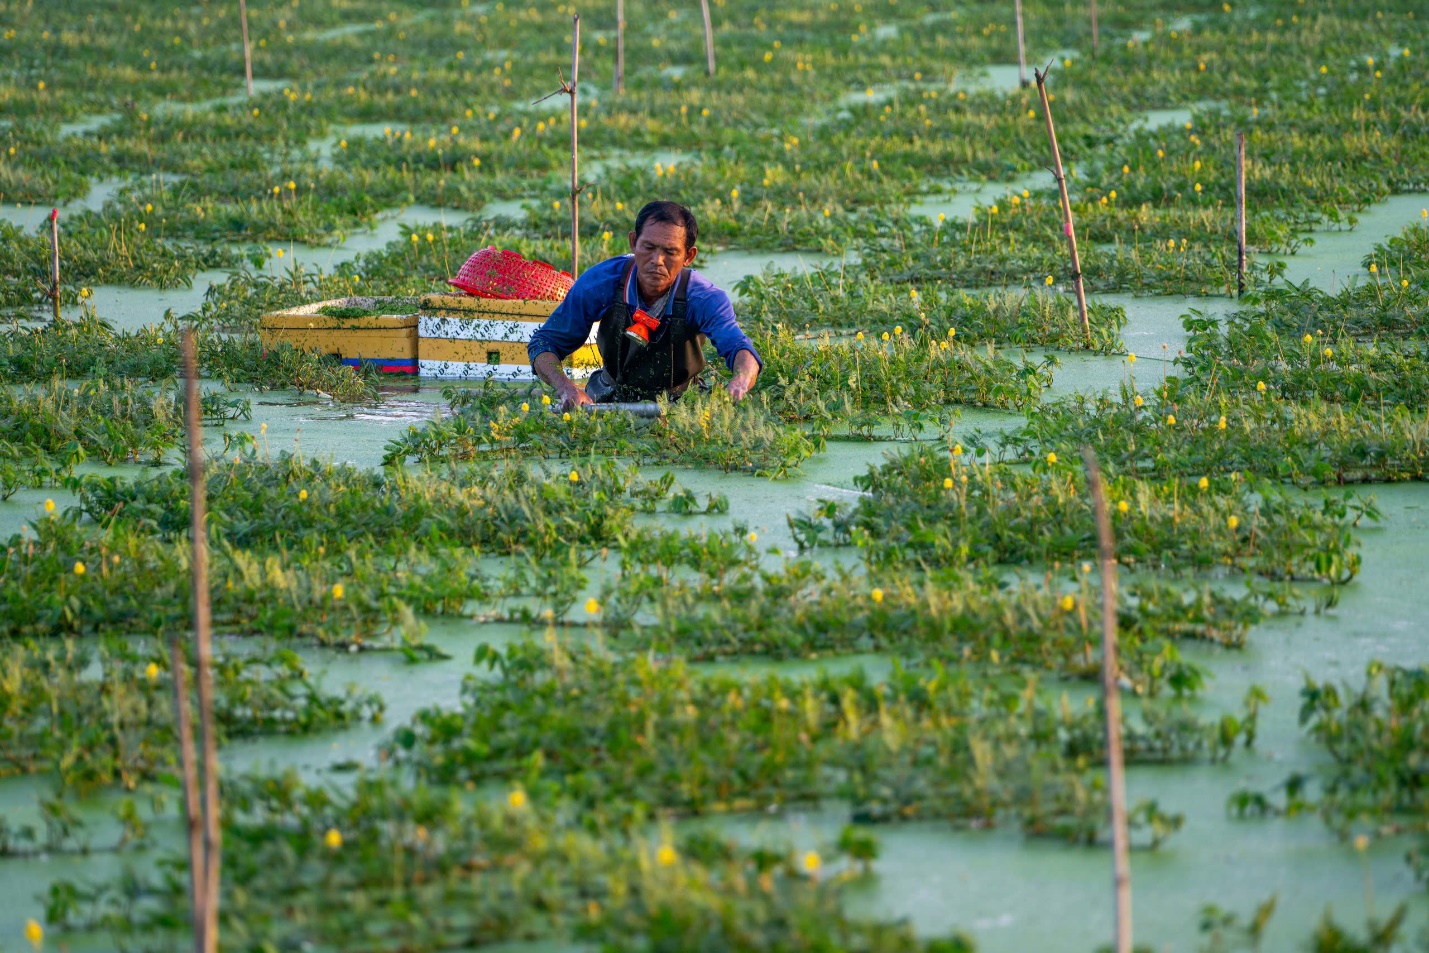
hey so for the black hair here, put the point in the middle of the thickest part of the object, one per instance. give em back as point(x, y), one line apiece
point(671, 213)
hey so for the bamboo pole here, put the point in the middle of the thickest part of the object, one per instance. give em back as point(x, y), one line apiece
point(619, 47)
point(55, 260)
point(1021, 49)
point(709, 37)
point(575, 188)
point(1095, 36)
point(247, 52)
point(1240, 213)
point(1067, 228)
point(1111, 702)
point(203, 637)
point(188, 768)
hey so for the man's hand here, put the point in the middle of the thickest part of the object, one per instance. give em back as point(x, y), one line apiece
point(548, 368)
point(746, 372)
point(572, 397)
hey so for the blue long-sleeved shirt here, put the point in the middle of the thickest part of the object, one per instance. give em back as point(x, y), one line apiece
point(569, 326)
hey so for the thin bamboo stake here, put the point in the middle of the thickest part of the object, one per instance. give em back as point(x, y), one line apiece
point(1111, 702)
point(709, 38)
point(203, 637)
point(1240, 213)
point(1067, 228)
point(1021, 49)
point(247, 52)
point(55, 260)
point(619, 46)
point(575, 188)
point(1095, 36)
point(193, 813)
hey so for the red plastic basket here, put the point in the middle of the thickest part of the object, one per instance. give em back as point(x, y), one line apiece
point(493, 273)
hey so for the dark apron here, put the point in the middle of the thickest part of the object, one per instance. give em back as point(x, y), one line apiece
point(666, 365)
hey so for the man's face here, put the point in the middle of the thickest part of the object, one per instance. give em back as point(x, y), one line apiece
point(660, 253)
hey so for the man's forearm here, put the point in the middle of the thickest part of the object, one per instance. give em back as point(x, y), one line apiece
point(548, 368)
point(746, 372)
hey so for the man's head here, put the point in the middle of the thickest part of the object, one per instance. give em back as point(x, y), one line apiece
point(663, 243)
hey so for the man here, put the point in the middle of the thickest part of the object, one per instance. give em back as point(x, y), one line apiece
point(654, 315)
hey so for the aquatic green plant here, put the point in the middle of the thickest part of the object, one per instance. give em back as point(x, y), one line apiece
point(1251, 432)
point(1375, 735)
point(926, 507)
point(698, 605)
point(701, 430)
point(346, 868)
point(847, 300)
point(941, 743)
point(45, 430)
point(116, 728)
point(288, 502)
point(902, 381)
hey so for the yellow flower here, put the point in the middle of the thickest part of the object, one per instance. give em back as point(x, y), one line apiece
point(592, 605)
point(1361, 844)
point(1052, 458)
point(34, 933)
point(1068, 603)
point(575, 477)
point(753, 537)
point(1329, 352)
point(666, 856)
point(333, 838)
point(877, 596)
point(885, 335)
point(337, 590)
point(302, 495)
point(898, 329)
point(1131, 359)
point(734, 193)
point(525, 407)
point(1203, 483)
point(1170, 420)
point(947, 483)
point(516, 799)
point(952, 332)
point(49, 506)
point(151, 671)
point(1049, 279)
point(1137, 400)
point(545, 400)
point(1232, 522)
point(78, 568)
point(957, 450)
point(858, 336)
point(1373, 268)
point(142, 226)
point(1260, 386)
point(812, 862)
point(566, 416)
point(1122, 507)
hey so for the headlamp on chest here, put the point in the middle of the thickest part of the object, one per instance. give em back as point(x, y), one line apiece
point(642, 325)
